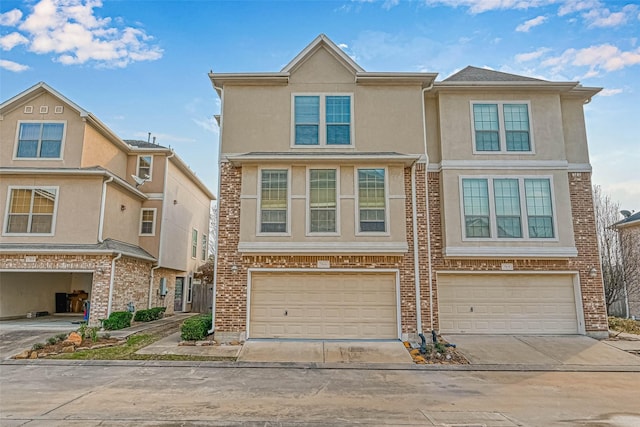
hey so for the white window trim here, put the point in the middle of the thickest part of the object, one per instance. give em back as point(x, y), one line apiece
point(64, 137)
point(189, 293)
point(30, 187)
point(308, 202)
point(501, 129)
point(259, 204)
point(387, 223)
point(191, 243)
point(322, 125)
point(524, 220)
point(204, 247)
point(155, 213)
point(150, 166)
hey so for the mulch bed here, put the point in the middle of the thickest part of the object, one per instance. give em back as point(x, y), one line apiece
point(439, 354)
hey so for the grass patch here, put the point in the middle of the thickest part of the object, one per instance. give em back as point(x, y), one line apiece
point(629, 326)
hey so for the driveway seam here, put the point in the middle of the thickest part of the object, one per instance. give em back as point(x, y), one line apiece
point(559, 362)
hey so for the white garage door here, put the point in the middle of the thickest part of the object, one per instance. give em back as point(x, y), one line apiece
point(323, 306)
point(506, 304)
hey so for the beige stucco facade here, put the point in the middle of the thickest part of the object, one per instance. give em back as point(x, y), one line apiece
point(96, 241)
point(421, 133)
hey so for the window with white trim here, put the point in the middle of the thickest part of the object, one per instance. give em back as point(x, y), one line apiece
point(148, 222)
point(31, 210)
point(194, 243)
point(322, 120)
point(204, 247)
point(144, 167)
point(371, 200)
point(492, 208)
point(40, 140)
point(501, 127)
point(273, 200)
point(322, 200)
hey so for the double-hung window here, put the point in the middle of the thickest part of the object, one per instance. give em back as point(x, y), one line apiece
point(371, 200)
point(493, 208)
point(273, 200)
point(144, 167)
point(322, 120)
point(204, 246)
point(194, 243)
point(31, 210)
point(322, 200)
point(40, 140)
point(148, 222)
point(501, 127)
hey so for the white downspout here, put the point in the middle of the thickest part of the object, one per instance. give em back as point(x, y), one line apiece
point(428, 217)
point(111, 280)
point(416, 251)
point(151, 285)
point(215, 251)
point(102, 206)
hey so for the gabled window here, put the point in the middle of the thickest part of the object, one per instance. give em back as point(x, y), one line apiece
point(501, 127)
point(322, 120)
point(194, 243)
point(144, 167)
point(492, 208)
point(40, 140)
point(371, 200)
point(31, 210)
point(273, 200)
point(322, 200)
point(148, 222)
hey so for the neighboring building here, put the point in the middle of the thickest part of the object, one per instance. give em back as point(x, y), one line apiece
point(629, 232)
point(325, 228)
point(87, 216)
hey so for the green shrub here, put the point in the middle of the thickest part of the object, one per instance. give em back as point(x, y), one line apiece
point(624, 325)
point(154, 313)
point(37, 346)
point(195, 328)
point(117, 320)
point(52, 341)
point(61, 337)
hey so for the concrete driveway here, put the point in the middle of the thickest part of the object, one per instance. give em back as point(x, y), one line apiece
point(569, 350)
point(324, 351)
point(20, 334)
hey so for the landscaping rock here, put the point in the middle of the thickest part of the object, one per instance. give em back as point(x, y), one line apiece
point(69, 349)
point(24, 355)
point(73, 338)
point(33, 355)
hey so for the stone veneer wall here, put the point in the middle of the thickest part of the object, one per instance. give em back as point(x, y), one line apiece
point(586, 244)
point(231, 295)
point(167, 300)
point(131, 284)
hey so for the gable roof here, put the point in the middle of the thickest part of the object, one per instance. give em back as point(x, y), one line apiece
point(633, 219)
point(143, 144)
point(36, 90)
point(322, 41)
point(475, 74)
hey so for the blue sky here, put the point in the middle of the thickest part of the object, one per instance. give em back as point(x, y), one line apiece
point(141, 66)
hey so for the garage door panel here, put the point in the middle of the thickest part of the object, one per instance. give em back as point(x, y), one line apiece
point(507, 304)
point(323, 305)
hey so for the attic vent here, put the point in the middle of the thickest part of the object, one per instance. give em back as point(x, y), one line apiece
point(59, 109)
point(44, 109)
point(28, 109)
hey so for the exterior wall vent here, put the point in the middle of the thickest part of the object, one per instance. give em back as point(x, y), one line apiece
point(44, 109)
point(28, 109)
point(58, 109)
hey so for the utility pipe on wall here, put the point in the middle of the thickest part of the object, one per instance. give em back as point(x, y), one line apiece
point(151, 285)
point(111, 280)
point(428, 217)
point(416, 251)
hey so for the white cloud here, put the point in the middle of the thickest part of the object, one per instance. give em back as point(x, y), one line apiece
point(12, 66)
point(11, 18)
point(527, 25)
point(74, 34)
point(12, 40)
point(209, 124)
point(573, 6)
point(603, 17)
point(530, 56)
point(601, 57)
point(389, 4)
point(480, 6)
point(610, 92)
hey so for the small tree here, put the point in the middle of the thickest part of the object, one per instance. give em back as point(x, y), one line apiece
point(205, 272)
point(618, 270)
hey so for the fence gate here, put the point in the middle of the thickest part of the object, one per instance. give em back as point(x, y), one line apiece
point(202, 297)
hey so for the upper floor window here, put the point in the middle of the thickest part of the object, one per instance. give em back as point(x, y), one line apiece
point(371, 200)
point(501, 127)
point(144, 167)
point(31, 210)
point(322, 120)
point(204, 246)
point(40, 140)
point(322, 200)
point(194, 243)
point(273, 200)
point(493, 207)
point(148, 222)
